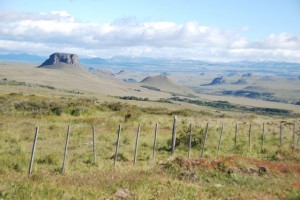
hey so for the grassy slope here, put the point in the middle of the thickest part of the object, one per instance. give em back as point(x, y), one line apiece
point(165, 84)
point(70, 79)
point(234, 175)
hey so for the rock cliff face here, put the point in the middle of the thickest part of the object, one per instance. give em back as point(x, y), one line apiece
point(218, 81)
point(58, 58)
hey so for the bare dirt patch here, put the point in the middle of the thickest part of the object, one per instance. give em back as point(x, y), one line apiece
point(232, 164)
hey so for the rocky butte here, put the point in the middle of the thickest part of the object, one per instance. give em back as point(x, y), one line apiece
point(58, 60)
point(218, 81)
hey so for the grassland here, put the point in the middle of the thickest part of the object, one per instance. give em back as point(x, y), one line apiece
point(237, 173)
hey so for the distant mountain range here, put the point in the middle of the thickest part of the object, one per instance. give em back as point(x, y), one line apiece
point(22, 57)
point(158, 65)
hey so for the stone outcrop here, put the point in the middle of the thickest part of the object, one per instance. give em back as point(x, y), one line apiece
point(64, 58)
point(247, 75)
point(218, 81)
point(240, 82)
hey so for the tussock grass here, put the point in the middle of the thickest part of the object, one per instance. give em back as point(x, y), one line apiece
point(159, 178)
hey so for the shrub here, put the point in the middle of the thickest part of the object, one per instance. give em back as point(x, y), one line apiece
point(75, 111)
point(34, 107)
point(50, 159)
point(198, 134)
point(184, 112)
point(56, 110)
point(151, 87)
point(114, 106)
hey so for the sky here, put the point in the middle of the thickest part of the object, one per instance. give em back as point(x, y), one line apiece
point(215, 30)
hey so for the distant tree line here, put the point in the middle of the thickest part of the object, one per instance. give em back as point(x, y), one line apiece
point(229, 106)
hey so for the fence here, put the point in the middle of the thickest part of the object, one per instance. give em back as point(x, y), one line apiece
point(294, 142)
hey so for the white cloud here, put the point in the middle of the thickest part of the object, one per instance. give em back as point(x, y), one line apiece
point(45, 33)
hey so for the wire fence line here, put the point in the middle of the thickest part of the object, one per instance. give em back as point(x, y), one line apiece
point(293, 142)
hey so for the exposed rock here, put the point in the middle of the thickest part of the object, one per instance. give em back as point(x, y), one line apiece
point(190, 176)
point(123, 193)
point(247, 75)
point(232, 170)
point(218, 81)
point(164, 74)
point(252, 170)
point(130, 80)
point(240, 82)
point(120, 72)
point(296, 103)
point(262, 170)
point(65, 58)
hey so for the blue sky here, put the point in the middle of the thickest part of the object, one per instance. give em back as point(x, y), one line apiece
point(193, 29)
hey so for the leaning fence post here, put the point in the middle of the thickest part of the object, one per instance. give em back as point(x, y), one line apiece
point(174, 136)
point(235, 136)
point(33, 150)
point(249, 137)
point(262, 138)
point(117, 146)
point(219, 145)
point(136, 144)
point(155, 138)
point(94, 144)
point(190, 141)
point(205, 138)
point(66, 150)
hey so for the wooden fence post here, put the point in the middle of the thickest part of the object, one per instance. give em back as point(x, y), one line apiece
point(219, 144)
point(154, 142)
point(298, 139)
point(136, 144)
point(94, 144)
point(117, 146)
point(205, 138)
point(33, 150)
point(294, 137)
point(190, 141)
point(262, 138)
point(173, 136)
point(235, 136)
point(66, 150)
point(249, 137)
point(281, 134)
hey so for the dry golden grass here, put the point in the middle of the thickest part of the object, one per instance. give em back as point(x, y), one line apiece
point(161, 178)
point(82, 101)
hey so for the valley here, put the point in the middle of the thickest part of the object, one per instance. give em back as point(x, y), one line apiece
point(99, 100)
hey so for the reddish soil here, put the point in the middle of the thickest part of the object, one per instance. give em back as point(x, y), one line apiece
point(231, 162)
point(296, 185)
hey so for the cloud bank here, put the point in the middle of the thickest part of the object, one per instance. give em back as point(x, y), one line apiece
point(44, 33)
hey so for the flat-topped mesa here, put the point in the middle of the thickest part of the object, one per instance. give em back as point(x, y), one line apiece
point(61, 58)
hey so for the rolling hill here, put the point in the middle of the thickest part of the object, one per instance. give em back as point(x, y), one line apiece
point(163, 83)
point(64, 71)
